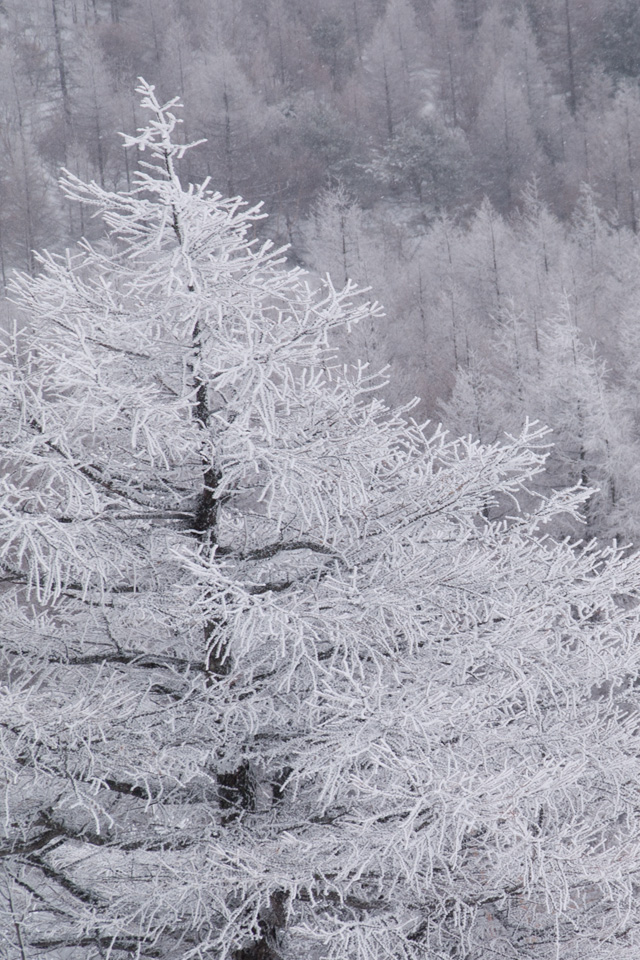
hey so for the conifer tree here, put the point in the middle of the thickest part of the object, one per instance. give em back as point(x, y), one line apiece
point(272, 684)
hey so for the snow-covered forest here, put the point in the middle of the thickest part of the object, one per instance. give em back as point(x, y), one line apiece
point(288, 671)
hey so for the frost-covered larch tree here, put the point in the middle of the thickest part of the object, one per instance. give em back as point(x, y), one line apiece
point(272, 685)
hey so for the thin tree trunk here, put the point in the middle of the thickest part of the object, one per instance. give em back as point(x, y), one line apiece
point(356, 28)
point(28, 218)
point(98, 130)
point(452, 86)
point(570, 62)
point(387, 97)
point(62, 71)
point(630, 168)
point(228, 145)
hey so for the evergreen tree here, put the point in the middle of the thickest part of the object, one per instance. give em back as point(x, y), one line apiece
point(272, 683)
point(429, 161)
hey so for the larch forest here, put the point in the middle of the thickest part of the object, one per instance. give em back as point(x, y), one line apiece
point(320, 480)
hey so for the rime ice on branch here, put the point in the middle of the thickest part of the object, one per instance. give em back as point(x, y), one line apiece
point(272, 683)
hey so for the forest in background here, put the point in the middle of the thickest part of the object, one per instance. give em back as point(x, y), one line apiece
point(475, 162)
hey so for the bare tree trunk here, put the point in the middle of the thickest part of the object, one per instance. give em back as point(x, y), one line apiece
point(28, 214)
point(570, 62)
point(356, 28)
point(228, 145)
point(387, 97)
point(630, 167)
point(62, 70)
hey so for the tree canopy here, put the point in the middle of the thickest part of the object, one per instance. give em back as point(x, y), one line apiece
point(284, 673)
